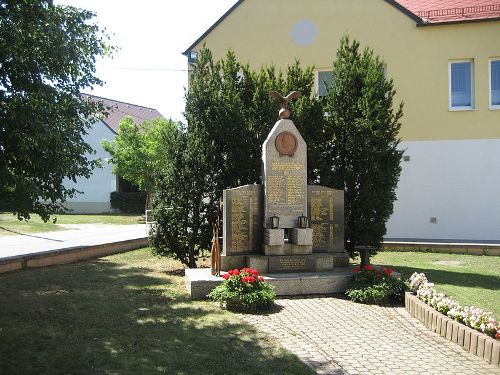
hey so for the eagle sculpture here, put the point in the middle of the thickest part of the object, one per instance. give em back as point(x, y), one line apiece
point(284, 112)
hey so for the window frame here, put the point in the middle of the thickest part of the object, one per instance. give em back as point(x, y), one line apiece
point(472, 106)
point(492, 107)
point(316, 79)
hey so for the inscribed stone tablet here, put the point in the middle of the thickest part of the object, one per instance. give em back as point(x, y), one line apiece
point(326, 212)
point(242, 218)
point(285, 175)
point(292, 263)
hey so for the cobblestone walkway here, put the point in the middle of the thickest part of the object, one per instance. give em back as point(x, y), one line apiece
point(336, 336)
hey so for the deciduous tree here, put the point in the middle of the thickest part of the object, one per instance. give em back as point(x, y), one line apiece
point(137, 152)
point(47, 56)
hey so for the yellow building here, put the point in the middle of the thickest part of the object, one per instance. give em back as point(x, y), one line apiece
point(444, 57)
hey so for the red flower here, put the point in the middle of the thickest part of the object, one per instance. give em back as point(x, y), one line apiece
point(261, 278)
point(356, 270)
point(251, 279)
point(387, 271)
point(368, 267)
point(226, 276)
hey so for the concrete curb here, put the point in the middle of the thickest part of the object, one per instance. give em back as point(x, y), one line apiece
point(449, 248)
point(69, 255)
point(473, 341)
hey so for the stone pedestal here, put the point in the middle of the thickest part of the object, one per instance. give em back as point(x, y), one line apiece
point(274, 237)
point(300, 236)
point(297, 262)
point(229, 262)
point(287, 249)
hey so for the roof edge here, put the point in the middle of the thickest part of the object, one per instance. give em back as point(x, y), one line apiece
point(426, 24)
point(406, 11)
point(197, 41)
point(108, 126)
point(120, 101)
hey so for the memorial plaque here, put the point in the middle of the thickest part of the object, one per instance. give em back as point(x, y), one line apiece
point(242, 220)
point(325, 208)
point(292, 263)
point(284, 155)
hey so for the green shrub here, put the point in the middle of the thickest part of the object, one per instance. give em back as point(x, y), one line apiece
point(128, 203)
point(244, 290)
point(375, 285)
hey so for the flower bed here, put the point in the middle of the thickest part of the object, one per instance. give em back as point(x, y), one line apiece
point(461, 325)
point(244, 290)
point(471, 316)
point(374, 285)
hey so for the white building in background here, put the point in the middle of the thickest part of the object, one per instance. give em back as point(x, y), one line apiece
point(96, 190)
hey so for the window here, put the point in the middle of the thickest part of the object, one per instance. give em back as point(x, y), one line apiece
point(495, 84)
point(461, 85)
point(325, 78)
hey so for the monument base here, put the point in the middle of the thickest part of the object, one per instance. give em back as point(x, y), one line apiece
point(199, 282)
point(265, 264)
point(287, 249)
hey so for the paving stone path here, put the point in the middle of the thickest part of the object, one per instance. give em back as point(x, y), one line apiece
point(336, 336)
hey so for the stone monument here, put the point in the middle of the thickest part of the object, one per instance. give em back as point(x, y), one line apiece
point(283, 225)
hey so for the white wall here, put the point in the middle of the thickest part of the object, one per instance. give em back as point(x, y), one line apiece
point(458, 182)
point(97, 188)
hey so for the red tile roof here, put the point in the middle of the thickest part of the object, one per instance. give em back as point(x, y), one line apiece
point(118, 110)
point(445, 11)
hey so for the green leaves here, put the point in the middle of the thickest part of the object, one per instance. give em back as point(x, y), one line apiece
point(230, 113)
point(47, 55)
point(362, 153)
point(138, 151)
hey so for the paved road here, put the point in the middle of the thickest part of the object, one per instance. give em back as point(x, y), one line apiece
point(336, 336)
point(77, 235)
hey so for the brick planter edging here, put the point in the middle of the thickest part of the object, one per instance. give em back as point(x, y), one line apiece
point(469, 339)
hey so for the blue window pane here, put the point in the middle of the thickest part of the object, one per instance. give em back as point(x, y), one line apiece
point(324, 82)
point(495, 82)
point(461, 89)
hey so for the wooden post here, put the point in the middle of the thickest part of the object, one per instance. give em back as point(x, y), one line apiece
point(216, 256)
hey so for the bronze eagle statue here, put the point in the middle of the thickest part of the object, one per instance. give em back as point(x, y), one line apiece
point(284, 112)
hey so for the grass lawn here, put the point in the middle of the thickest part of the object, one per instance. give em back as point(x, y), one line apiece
point(9, 225)
point(125, 314)
point(476, 282)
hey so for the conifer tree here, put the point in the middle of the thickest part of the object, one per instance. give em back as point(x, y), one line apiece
point(362, 148)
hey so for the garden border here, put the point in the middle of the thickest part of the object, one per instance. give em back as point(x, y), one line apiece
point(473, 341)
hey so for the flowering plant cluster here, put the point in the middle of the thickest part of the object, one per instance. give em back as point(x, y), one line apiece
point(244, 289)
point(374, 285)
point(471, 316)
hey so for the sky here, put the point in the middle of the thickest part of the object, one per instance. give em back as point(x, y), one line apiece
point(149, 68)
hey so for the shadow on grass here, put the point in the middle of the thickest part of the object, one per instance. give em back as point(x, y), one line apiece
point(102, 317)
point(457, 278)
point(28, 235)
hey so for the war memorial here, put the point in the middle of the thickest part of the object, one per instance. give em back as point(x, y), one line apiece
point(291, 232)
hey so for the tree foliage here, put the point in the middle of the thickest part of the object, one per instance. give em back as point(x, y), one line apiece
point(181, 207)
point(229, 114)
point(137, 152)
point(47, 56)
point(362, 140)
